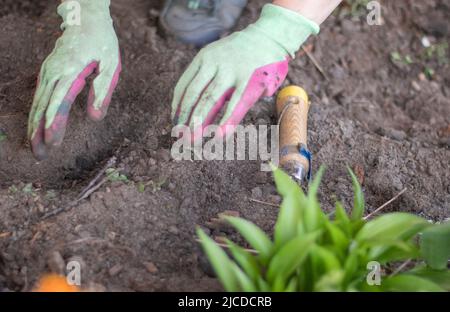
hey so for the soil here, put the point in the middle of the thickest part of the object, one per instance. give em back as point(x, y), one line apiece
point(371, 111)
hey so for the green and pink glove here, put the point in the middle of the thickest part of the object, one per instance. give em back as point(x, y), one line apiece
point(240, 69)
point(88, 46)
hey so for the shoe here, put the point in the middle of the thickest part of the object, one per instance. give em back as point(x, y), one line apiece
point(200, 22)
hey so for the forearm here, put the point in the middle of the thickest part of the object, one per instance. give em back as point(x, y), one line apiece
point(315, 10)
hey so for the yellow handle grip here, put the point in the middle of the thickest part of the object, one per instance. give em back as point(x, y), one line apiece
point(292, 108)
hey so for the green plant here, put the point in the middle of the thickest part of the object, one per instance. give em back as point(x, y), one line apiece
point(114, 175)
point(312, 252)
point(396, 57)
point(3, 136)
point(437, 51)
point(356, 8)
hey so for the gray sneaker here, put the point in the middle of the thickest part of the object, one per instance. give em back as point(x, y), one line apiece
point(200, 22)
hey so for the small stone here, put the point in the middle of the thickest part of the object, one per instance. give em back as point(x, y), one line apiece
point(94, 287)
point(163, 154)
point(55, 262)
point(151, 267)
point(422, 77)
point(116, 269)
point(257, 193)
point(415, 85)
point(40, 208)
point(398, 135)
point(173, 230)
point(275, 199)
point(397, 183)
point(261, 178)
point(112, 235)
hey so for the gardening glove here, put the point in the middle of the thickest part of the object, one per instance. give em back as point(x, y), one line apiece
point(240, 69)
point(88, 45)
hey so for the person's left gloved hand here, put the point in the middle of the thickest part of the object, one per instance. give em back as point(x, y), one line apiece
point(89, 48)
point(240, 68)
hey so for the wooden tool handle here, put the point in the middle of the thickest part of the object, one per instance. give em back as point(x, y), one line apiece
point(292, 108)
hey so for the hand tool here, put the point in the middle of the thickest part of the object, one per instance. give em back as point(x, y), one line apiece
point(292, 109)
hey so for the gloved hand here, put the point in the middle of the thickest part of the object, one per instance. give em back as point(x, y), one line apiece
point(90, 47)
point(240, 68)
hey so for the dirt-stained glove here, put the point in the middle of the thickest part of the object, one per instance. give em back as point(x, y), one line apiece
point(88, 45)
point(240, 69)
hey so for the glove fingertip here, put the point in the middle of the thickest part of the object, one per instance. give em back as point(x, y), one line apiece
point(38, 146)
point(97, 114)
point(98, 108)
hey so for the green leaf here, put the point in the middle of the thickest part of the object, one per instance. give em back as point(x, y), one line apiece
point(141, 187)
point(435, 246)
point(244, 259)
point(385, 251)
point(441, 278)
point(220, 262)
point(330, 282)
point(279, 285)
point(3, 135)
point(262, 285)
point(342, 219)
point(328, 260)
point(391, 227)
point(313, 214)
point(350, 268)
point(338, 237)
point(253, 235)
point(244, 281)
point(28, 188)
point(314, 187)
point(396, 57)
point(289, 258)
point(290, 209)
point(409, 283)
point(358, 201)
point(292, 285)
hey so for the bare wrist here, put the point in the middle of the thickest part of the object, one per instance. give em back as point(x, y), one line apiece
point(315, 10)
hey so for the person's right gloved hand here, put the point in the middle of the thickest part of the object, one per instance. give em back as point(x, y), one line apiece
point(87, 47)
point(230, 75)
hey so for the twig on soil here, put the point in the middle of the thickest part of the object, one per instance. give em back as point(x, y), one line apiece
point(86, 192)
point(111, 162)
point(315, 62)
point(400, 268)
point(263, 202)
point(255, 252)
point(10, 115)
point(92, 190)
point(385, 204)
point(6, 234)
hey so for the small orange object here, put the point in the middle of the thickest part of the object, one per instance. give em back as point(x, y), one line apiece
point(54, 283)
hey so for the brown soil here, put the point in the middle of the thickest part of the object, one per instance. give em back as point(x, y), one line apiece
point(374, 114)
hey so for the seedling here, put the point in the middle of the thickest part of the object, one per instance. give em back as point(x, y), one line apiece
point(114, 175)
point(311, 251)
point(396, 57)
point(3, 136)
